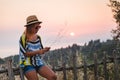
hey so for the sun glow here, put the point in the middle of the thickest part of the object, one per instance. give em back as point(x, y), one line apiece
point(72, 34)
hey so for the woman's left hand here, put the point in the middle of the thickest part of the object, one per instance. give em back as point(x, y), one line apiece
point(46, 49)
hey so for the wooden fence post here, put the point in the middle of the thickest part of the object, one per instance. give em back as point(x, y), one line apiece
point(53, 62)
point(95, 67)
point(105, 67)
point(10, 70)
point(74, 66)
point(85, 68)
point(21, 73)
point(64, 65)
point(116, 73)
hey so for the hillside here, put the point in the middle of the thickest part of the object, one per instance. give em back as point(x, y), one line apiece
point(2, 61)
point(93, 46)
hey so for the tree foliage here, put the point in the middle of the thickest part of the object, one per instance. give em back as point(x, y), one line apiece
point(115, 6)
point(57, 56)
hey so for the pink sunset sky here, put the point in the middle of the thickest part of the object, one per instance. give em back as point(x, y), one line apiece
point(86, 19)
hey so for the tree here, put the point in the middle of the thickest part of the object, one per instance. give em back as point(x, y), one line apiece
point(115, 6)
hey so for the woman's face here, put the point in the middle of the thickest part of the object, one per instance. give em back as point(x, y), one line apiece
point(35, 28)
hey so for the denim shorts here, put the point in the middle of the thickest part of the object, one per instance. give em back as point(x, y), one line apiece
point(31, 67)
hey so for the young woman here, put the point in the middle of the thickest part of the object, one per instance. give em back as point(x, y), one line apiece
point(30, 52)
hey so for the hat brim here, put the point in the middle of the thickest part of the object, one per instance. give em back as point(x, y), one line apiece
point(33, 23)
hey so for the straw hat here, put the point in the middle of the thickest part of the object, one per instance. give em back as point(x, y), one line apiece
point(32, 20)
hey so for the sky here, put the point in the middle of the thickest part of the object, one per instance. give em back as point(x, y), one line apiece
point(65, 22)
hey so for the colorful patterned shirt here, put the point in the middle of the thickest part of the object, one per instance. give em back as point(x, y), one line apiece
point(29, 46)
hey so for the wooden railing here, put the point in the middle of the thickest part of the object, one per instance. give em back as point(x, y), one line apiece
point(18, 71)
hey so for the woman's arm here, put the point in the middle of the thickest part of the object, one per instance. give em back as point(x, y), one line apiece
point(42, 51)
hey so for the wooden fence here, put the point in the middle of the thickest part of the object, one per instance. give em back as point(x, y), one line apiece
point(115, 59)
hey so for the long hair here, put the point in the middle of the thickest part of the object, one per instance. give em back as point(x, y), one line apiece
point(28, 30)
